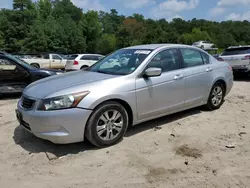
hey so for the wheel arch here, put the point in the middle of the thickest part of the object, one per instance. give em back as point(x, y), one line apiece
point(120, 101)
point(37, 64)
point(124, 103)
point(84, 66)
point(222, 81)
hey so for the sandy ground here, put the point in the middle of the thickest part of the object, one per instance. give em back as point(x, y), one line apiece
point(188, 149)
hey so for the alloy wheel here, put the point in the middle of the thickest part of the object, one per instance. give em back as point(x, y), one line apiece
point(109, 125)
point(217, 96)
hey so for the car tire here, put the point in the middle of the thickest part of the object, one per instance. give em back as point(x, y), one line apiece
point(35, 65)
point(202, 47)
point(103, 124)
point(216, 97)
point(84, 67)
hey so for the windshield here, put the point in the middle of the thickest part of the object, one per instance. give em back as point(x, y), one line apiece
point(121, 62)
point(22, 62)
point(236, 51)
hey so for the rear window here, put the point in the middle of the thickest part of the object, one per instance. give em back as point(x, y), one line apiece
point(236, 51)
point(91, 57)
point(72, 57)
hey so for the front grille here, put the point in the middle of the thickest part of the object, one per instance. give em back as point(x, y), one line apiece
point(27, 103)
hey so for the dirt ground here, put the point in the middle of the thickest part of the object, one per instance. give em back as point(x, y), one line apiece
point(195, 148)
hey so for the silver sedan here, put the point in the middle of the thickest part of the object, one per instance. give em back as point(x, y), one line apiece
point(128, 87)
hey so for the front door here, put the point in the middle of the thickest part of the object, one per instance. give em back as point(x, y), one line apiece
point(163, 94)
point(198, 76)
point(13, 78)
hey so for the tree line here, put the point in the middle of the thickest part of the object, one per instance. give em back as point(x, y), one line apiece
point(60, 26)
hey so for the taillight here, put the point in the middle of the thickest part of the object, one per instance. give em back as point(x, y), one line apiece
point(219, 59)
point(76, 62)
point(246, 57)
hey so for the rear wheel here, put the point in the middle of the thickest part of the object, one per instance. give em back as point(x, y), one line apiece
point(35, 65)
point(84, 67)
point(107, 125)
point(216, 97)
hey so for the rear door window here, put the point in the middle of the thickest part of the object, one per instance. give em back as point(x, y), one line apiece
point(191, 57)
point(236, 51)
point(90, 58)
point(96, 58)
point(46, 56)
point(205, 58)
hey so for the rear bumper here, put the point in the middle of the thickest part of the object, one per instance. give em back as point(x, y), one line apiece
point(72, 67)
point(60, 127)
point(241, 68)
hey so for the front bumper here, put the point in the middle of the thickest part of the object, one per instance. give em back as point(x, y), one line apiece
point(60, 127)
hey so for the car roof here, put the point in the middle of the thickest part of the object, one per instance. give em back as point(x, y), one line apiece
point(155, 46)
point(238, 47)
point(88, 54)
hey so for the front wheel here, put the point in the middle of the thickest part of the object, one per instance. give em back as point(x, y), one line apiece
point(107, 125)
point(216, 97)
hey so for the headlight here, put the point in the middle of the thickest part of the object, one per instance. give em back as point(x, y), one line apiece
point(62, 102)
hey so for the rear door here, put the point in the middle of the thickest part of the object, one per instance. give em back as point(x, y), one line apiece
point(13, 77)
point(237, 57)
point(198, 75)
point(88, 60)
point(57, 62)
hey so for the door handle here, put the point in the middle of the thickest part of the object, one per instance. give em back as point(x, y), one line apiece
point(209, 69)
point(178, 77)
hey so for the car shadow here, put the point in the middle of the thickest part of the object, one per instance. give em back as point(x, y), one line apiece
point(163, 121)
point(10, 96)
point(33, 144)
point(242, 77)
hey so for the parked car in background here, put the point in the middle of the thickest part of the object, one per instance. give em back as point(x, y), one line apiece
point(15, 74)
point(203, 45)
point(81, 61)
point(100, 103)
point(52, 61)
point(238, 57)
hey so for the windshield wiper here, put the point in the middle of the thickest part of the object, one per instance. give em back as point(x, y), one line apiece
point(103, 72)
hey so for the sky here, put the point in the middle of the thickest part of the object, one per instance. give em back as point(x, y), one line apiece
point(217, 10)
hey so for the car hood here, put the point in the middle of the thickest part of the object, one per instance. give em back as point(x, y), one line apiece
point(47, 86)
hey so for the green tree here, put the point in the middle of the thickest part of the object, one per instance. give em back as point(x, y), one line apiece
point(107, 43)
point(195, 35)
point(22, 4)
point(60, 26)
point(91, 28)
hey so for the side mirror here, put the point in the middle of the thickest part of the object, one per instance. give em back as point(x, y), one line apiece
point(153, 72)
